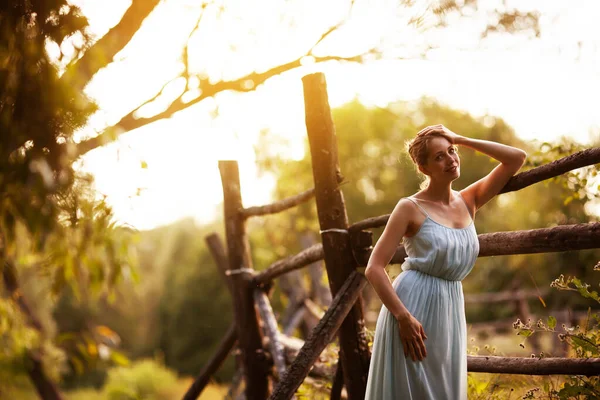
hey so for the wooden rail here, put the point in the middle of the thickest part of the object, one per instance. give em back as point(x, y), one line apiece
point(344, 248)
point(544, 240)
point(577, 160)
point(279, 206)
point(534, 366)
point(280, 267)
point(320, 337)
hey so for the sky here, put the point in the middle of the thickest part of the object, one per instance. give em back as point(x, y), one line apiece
point(543, 88)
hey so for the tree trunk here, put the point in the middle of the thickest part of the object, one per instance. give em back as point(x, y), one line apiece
point(333, 222)
point(240, 271)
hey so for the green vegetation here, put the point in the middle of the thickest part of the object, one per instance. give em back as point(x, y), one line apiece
point(175, 306)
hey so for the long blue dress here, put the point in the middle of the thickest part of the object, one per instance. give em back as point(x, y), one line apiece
point(430, 287)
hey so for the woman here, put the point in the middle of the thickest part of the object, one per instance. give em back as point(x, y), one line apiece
point(420, 345)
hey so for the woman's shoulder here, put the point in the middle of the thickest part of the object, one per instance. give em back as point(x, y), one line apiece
point(410, 209)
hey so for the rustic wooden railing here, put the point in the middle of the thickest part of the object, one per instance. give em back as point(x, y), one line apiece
point(345, 248)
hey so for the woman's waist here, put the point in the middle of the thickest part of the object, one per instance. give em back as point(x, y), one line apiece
point(443, 273)
point(414, 281)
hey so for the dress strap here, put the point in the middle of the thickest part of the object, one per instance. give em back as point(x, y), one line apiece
point(418, 205)
point(466, 205)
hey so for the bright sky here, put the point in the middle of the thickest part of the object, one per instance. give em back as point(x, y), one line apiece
point(544, 88)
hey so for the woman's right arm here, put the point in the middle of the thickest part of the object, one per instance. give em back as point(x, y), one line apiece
point(411, 331)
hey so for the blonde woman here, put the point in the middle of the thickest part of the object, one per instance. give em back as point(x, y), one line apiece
point(420, 345)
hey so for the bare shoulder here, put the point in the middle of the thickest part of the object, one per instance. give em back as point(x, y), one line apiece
point(405, 207)
point(407, 214)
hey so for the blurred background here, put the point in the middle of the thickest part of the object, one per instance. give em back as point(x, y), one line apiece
point(114, 114)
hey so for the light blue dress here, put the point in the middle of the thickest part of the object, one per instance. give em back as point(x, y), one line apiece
point(430, 287)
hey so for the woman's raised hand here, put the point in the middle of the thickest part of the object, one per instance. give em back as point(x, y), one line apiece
point(413, 337)
point(442, 129)
point(451, 134)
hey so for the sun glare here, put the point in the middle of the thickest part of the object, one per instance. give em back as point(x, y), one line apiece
point(180, 154)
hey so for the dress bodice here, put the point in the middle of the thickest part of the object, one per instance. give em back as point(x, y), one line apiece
point(441, 251)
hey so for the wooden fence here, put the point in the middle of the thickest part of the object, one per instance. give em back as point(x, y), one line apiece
point(265, 353)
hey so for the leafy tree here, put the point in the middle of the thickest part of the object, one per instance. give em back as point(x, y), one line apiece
point(51, 224)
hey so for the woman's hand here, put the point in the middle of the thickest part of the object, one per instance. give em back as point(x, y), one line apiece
point(412, 336)
point(455, 138)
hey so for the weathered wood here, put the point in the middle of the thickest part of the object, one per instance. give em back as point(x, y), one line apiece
point(213, 364)
point(534, 366)
point(270, 328)
point(577, 160)
point(302, 259)
point(215, 245)
point(338, 383)
point(499, 297)
point(544, 240)
point(361, 239)
point(555, 168)
point(280, 205)
point(333, 222)
point(45, 388)
point(321, 367)
point(320, 337)
point(255, 365)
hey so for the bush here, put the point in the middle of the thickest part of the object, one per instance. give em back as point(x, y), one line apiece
point(143, 380)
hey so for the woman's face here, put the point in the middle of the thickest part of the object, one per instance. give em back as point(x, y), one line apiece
point(443, 162)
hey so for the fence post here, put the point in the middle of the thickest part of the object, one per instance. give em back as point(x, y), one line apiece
point(333, 222)
point(256, 367)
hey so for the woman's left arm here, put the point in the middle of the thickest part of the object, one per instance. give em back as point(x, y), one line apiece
point(511, 160)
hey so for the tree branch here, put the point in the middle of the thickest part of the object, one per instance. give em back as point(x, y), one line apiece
point(101, 53)
point(246, 83)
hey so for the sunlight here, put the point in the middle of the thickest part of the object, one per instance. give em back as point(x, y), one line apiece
point(181, 153)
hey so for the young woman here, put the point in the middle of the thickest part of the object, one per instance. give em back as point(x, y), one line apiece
point(420, 346)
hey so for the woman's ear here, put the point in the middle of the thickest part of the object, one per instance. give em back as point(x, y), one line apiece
point(423, 169)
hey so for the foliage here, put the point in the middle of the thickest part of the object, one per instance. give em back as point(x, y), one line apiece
point(196, 308)
point(142, 380)
point(38, 113)
point(54, 231)
point(178, 311)
point(584, 342)
point(15, 338)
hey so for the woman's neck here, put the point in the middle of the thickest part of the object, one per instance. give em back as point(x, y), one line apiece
point(441, 193)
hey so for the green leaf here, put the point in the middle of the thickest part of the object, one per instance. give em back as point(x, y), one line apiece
point(525, 332)
point(571, 390)
point(551, 322)
point(119, 358)
point(585, 345)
